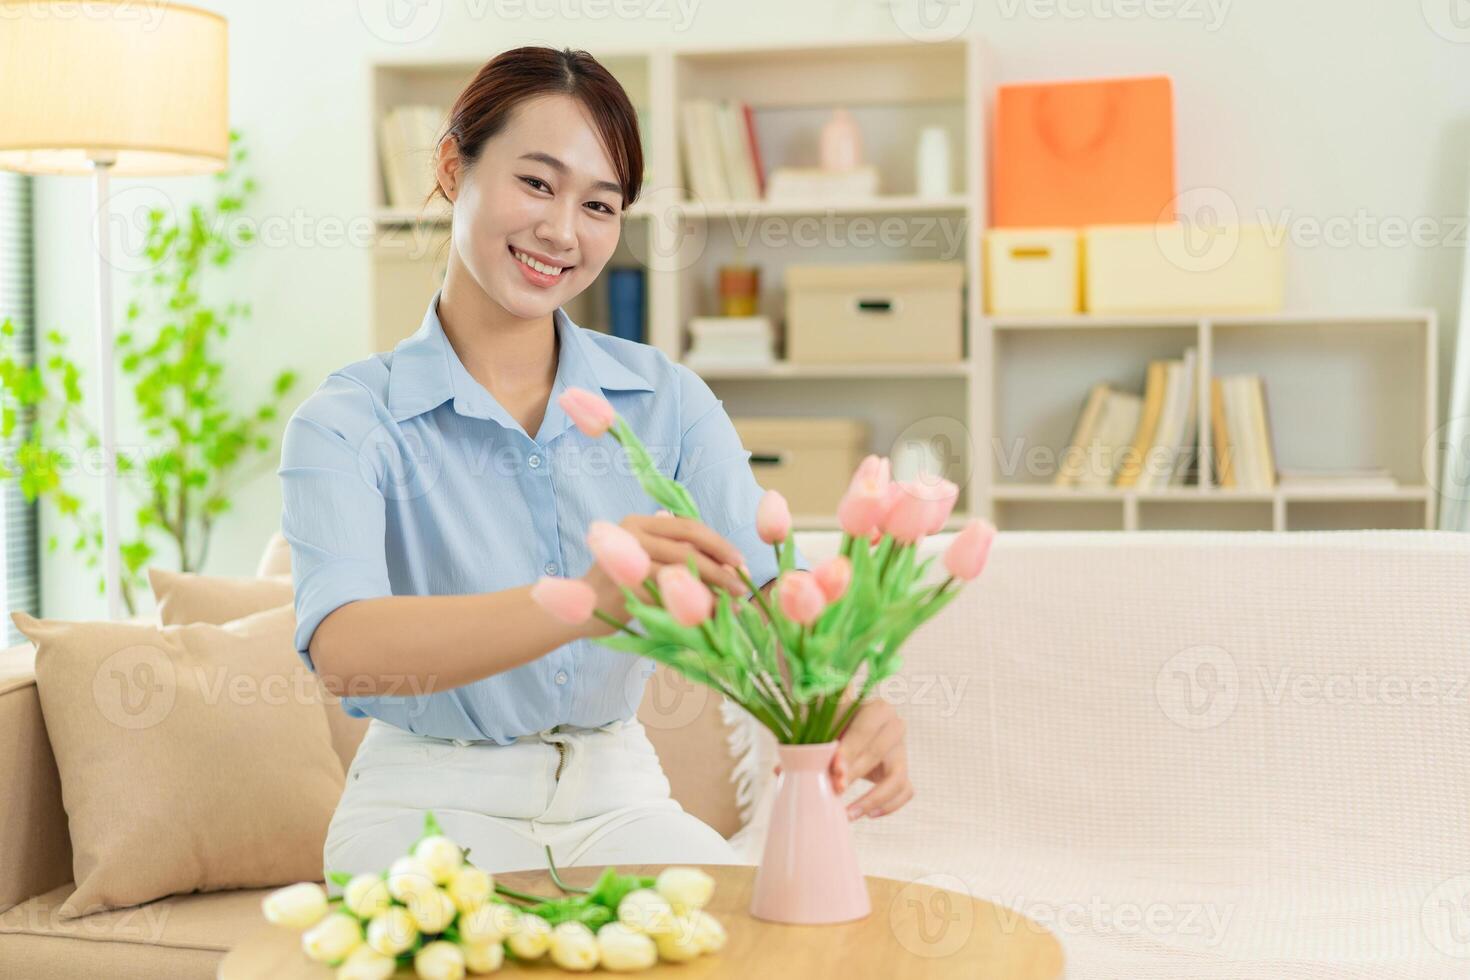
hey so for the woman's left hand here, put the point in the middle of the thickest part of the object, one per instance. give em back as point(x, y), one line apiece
point(872, 748)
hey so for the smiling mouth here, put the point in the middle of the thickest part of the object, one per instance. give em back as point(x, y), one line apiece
point(534, 264)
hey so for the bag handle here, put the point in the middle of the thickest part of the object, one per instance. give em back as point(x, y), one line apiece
point(1048, 111)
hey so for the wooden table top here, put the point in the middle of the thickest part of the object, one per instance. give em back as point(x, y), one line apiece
point(914, 930)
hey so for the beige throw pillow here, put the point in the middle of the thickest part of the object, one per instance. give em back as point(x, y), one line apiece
point(185, 597)
point(192, 758)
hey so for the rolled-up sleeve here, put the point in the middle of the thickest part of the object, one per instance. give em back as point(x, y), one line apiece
point(715, 468)
point(332, 510)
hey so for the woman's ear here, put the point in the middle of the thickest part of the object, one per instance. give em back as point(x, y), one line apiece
point(447, 167)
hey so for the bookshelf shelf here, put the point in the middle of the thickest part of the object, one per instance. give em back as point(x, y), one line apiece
point(1347, 388)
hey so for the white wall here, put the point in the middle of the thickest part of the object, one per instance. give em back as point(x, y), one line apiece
point(1317, 111)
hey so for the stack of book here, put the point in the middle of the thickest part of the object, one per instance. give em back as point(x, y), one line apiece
point(407, 138)
point(1124, 440)
point(721, 155)
point(1245, 458)
point(730, 341)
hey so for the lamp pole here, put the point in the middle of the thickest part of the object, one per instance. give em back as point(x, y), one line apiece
point(101, 165)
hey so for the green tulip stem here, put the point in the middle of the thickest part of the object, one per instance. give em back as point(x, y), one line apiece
point(556, 878)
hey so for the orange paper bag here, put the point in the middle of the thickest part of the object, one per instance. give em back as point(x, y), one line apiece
point(1084, 152)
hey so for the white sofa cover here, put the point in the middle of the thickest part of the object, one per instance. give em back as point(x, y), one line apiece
point(1190, 754)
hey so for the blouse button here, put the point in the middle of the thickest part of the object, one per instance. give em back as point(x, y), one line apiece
point(535, 461)
point(561, 677)
point(550, 568)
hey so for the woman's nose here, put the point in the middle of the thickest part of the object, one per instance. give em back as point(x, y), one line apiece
point(558, 228)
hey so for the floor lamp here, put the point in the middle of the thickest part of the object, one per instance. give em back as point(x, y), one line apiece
point(116, 89)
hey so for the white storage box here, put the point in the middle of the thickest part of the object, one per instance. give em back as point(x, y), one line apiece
point(875, 312)
point(1170, 268)
point(1032, 270)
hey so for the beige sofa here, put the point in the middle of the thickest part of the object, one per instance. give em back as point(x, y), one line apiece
point(1204, 755)
point(185, 936)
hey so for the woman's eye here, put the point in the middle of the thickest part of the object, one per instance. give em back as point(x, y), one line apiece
point(535, 180)
point(605, 208)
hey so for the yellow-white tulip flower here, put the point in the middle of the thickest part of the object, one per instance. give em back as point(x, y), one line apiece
point(299, 906)
point(646, 911)
point(709, 934)
point(409, 876)
point(432, 911)
point(573, 946)
point(679, 943)
point(439, 960)
point(489, 923)
point(366, 963)
point(483, 958)
point(531, 938)
point(393, 931)
point(332, 938)
point(686, 889)
point(366, 895)
point(621, 947)
point(441, 856)
point(470, 888)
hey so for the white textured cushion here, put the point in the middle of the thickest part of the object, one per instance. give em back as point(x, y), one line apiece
point(1193, 753)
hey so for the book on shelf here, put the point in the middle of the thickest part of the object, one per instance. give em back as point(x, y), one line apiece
point(730, 341)
point(407, 138)
point(720, 149)
point(803, 184)
point(1245, 454)
point(1337, 478)
point(1103, 430)
point(1145, 441)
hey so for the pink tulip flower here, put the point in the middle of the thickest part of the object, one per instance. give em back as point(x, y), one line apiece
point(966, 555)
point(912, 513)
point(592, 414)
point(773, 518)
point(944, 494)
point(685, 597)
point(800, 597)
point(833, 576)
point(619, 553)
point(861, 508)
point(570, 600)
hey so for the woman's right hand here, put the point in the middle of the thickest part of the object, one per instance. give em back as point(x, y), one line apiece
point(670, 540)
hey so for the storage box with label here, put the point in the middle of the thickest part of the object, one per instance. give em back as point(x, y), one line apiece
point(1032, 270)
point(810, 461)
point(875, 312)
point(1182, 268)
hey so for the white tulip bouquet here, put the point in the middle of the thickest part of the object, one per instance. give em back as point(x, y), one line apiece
point(787, 662)
point(435, 910)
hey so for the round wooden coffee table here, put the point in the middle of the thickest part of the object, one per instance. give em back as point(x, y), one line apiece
point(916, 929)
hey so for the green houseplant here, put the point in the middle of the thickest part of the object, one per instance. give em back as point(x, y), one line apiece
point(197, 451)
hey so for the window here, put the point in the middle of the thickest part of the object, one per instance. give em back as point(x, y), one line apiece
point(19, 566)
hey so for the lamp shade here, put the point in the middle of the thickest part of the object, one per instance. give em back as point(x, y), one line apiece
point(144, 85)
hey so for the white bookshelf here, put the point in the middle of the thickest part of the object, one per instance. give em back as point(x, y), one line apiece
point(1020, 377)
point(1349, 389)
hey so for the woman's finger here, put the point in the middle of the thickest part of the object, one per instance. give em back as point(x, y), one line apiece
point(885, 791)
point(668, 551)
point(701, 535)
point(872, 749)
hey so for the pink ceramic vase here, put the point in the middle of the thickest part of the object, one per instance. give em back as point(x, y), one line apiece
point(809, 870)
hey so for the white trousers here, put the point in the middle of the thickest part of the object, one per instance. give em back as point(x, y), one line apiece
point(593, 795)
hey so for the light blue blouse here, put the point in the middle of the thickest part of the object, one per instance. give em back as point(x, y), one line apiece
point(402, 475)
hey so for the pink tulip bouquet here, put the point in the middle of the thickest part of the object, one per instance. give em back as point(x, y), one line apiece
point(788, 663)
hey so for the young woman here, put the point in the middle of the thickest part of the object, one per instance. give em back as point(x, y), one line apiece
point(426, 490)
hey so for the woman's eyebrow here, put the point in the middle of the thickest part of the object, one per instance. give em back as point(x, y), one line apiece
point(561, 168)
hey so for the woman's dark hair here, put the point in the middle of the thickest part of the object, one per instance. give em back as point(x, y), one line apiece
point(511, 77)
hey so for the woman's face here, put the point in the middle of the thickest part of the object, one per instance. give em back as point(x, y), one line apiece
point(543, 186)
